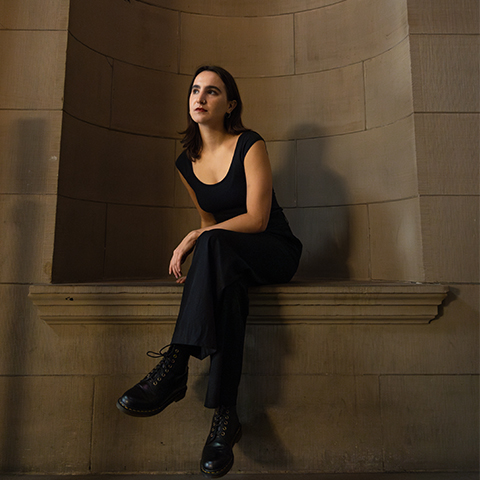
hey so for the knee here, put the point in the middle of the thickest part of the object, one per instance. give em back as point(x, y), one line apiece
point(214, 241)
point(212, 237)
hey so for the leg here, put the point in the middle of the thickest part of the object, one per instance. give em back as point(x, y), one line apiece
point(225, 264)
point(226, 362)
point(222, 258)
point(223, 380)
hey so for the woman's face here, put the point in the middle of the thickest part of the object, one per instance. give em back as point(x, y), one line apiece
point(208, 102)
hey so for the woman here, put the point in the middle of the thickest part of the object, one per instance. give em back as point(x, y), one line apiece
point(244, 239)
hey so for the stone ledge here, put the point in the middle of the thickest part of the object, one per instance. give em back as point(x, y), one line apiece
point(293, 303)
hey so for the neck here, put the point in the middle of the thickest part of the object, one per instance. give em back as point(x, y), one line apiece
point(213, 138)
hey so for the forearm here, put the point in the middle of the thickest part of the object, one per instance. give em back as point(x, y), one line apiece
point(244, 223)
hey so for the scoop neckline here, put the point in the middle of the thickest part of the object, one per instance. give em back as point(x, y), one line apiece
point(229, 168)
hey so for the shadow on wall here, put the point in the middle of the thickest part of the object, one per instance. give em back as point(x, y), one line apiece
point(267, 348)
point(321, 220)
point(24, 230)
point(322, 217)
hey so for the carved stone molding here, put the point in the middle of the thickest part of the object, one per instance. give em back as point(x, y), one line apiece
point(293, 303)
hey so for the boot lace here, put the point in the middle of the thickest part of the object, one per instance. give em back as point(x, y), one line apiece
point(220, 422)
point(166, 363)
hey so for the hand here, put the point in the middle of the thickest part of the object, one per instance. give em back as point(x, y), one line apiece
point(180, 254)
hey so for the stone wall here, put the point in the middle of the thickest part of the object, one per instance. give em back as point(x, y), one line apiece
point(375, 154)
point(331, 95)
point(33, 42)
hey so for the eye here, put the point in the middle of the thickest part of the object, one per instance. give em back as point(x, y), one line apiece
point(212, 92)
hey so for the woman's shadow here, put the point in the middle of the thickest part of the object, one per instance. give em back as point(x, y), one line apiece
point(321, 218)
point(318, 214)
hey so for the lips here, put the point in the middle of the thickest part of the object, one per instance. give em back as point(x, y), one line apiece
point(200, 109)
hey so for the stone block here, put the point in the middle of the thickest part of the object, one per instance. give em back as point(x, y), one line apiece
point(48, 425)
point(246, 8)
point(26, 339)
point(33, 69)
point(335, 241)
point(445, 71)
point(309, 424)
point(86, 145)
point(266, 44)
point(137, 33)
point(305, 106)
point(306, 426)
point(388, 86)
point(283, 161)
point(149, 101)
point(430, 423)
point(450, 238)
point(447, 153)
point(142, 170)
point(171, 442)
point(116, 167)
point(347, 33)
point(449, 345)
point(88, 84)
point(33, 348)
point(370, 166)
point(443, 16)
point(182, 197)
point(29, 149)
point(79, 241)
point(140, 240)
point(33, 15)
point(294, 350)
point(396, 241)
point(123, 350)
point(26, 238)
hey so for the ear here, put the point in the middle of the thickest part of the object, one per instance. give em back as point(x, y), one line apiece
point(231, 106)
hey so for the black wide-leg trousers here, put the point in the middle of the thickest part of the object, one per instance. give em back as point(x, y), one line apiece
point(214, 305)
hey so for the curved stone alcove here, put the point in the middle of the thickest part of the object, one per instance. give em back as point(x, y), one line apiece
point(327, 84)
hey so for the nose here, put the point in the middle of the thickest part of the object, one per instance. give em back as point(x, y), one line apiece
point(201, 97)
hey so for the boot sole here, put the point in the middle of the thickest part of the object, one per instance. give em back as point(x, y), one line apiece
point(175, 397)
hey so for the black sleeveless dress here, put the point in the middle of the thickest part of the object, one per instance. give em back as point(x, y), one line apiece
point(214, 304)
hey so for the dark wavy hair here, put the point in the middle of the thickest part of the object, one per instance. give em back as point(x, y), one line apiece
point(192, 140)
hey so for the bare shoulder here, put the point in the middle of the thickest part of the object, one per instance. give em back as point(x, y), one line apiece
point(257, 154)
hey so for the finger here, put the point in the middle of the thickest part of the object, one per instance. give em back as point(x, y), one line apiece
point(176, 271)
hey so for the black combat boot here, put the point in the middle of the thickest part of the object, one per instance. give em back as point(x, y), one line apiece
point(165, 384)
point(217, 456)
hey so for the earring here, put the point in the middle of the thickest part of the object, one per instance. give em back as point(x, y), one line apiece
point(228, 114)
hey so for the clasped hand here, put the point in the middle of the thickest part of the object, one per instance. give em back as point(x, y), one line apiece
point(180, 254)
